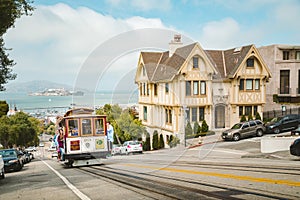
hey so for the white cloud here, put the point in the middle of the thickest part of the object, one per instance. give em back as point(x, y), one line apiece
point(54, 42)
point(143, 5)
point(220, 34)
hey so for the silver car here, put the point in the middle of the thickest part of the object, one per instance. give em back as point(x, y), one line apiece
point(244, 129)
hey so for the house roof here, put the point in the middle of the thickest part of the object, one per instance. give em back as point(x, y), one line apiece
point(160, 67)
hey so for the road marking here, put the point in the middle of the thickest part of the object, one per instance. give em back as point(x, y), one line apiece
point(228, 176)
point(70, 185)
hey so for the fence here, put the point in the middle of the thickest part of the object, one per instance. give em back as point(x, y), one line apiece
point(278, 113)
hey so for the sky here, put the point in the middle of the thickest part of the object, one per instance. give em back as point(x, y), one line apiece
point(96, 44)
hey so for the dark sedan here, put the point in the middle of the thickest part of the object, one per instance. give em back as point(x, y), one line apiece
point(295, 147)
point(12, 160)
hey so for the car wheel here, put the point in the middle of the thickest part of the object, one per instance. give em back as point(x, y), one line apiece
point(276, 130)
point(2, 175)
point(259, 133)
point(236, 137)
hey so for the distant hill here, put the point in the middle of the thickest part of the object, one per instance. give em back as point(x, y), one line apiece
point(34, 86)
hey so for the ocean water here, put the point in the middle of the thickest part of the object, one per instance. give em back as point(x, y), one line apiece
point(26, 103)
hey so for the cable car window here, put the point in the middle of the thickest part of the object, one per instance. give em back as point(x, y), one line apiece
point(73, 127)
point(86, 125)
point(99, 126)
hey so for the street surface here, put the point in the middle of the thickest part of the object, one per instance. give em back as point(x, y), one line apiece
point(215, 170)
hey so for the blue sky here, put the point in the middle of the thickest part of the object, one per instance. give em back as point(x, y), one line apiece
point(57, 40)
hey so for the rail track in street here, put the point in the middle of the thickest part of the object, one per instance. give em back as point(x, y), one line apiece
point(161, 186)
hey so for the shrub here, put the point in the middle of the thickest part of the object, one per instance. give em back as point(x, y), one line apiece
point(197, 128)
point(204, 126)
point(146, 144)
point(173, 141)
point(250, 117)
point(155, 140)
point(188, 130)
point(243, 118)
point(161, 143)
point(257, 116)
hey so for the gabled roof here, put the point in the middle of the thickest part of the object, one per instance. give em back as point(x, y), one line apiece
point(160, 67)
point(228, 61)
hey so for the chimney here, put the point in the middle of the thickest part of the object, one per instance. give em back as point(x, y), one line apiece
point(174, 44)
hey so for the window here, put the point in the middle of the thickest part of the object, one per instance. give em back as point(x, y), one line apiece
point(196, 87)
point(155, 89)
point(148, 89)
point(144, 89)
point(286, 55)
point(144, 71)
point(145, 113)
point(201, 114)
point(195, 62)
point(250, 62)
point(297, 55)
point(168, 116)
point(241, 110)
point(254, 110)
point(86, 126)
point(202, 87)
point(257, 84)
point(99, 126)
point(188, 88)
point(249, 84)
point(252, 123)
point(242, 84)
point(298, 89)
point(284, 81)
point(141, 89)
point(73, 128)
point(167, 87)
point(248, 110)
point(194, 114)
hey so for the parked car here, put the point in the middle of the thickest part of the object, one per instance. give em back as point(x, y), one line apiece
point(116, 149)
point(2, 174)
point(279, 124)
point(30, 149)
point(131, 147)
point(52, 148)
point(12, 160)
point(54, 154)
point(296, 131)
point(244, 129)
point(295, 147)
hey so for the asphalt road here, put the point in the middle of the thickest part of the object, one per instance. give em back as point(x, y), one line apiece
point(215, 170)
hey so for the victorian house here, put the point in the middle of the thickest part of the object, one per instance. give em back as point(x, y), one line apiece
point(188, 84)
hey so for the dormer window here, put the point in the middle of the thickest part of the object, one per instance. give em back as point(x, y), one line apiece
point(250, 62)
point(195, 62)
point(286, 55)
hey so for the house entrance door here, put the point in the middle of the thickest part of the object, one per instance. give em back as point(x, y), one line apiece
point(220, 116)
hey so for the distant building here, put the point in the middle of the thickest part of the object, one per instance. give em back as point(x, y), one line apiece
point(187, 82)
point(283, 90)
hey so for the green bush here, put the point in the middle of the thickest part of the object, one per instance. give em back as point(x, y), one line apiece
point(197, 128)
point(257, 116)
point(173, 141)
point(161, 143)
point(243, 118)
point(188, 130)
point(204, 126)
point(250, 117)
point(155, 140)
point(146, 144)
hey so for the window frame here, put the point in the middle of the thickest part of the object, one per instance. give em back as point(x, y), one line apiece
point(250, 62)
point(195, 62)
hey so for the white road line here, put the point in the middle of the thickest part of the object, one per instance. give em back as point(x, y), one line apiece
point(70, 185)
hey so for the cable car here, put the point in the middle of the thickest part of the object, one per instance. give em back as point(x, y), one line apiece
point(85, 138)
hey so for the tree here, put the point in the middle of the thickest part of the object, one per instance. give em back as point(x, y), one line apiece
point(250, 117)
point(161, 143)
point(155, 140)
point(9, 12)
point(243, 118)
point(197, 128)
point(257, 116)
point(188, 129)
point(3, 108)
point(147, 144)
point(204, 126)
